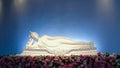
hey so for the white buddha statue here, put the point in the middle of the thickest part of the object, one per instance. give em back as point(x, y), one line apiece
point(47, 41)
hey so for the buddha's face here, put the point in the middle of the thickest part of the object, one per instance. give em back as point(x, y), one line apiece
point(34, 35)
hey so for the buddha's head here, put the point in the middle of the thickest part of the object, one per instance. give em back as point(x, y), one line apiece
point(34, 36)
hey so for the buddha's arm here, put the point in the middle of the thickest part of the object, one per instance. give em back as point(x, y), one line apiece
point(30, 42)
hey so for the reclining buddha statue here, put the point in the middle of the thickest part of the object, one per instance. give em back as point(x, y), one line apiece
point(47, 41)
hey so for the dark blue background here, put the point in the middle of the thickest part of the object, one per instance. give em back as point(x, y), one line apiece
point(86, 20)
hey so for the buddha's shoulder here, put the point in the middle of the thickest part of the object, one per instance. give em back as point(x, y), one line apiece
point(45, 36)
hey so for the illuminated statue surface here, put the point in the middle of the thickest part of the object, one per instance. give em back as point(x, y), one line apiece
point(57, 45)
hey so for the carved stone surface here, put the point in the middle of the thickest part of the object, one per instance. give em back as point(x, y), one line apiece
point(47, 45)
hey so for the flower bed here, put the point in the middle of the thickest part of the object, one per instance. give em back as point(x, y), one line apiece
point(79, 61)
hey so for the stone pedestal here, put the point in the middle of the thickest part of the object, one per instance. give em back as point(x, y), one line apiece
point(45, 52)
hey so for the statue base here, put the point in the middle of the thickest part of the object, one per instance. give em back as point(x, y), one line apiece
point(45, 52)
